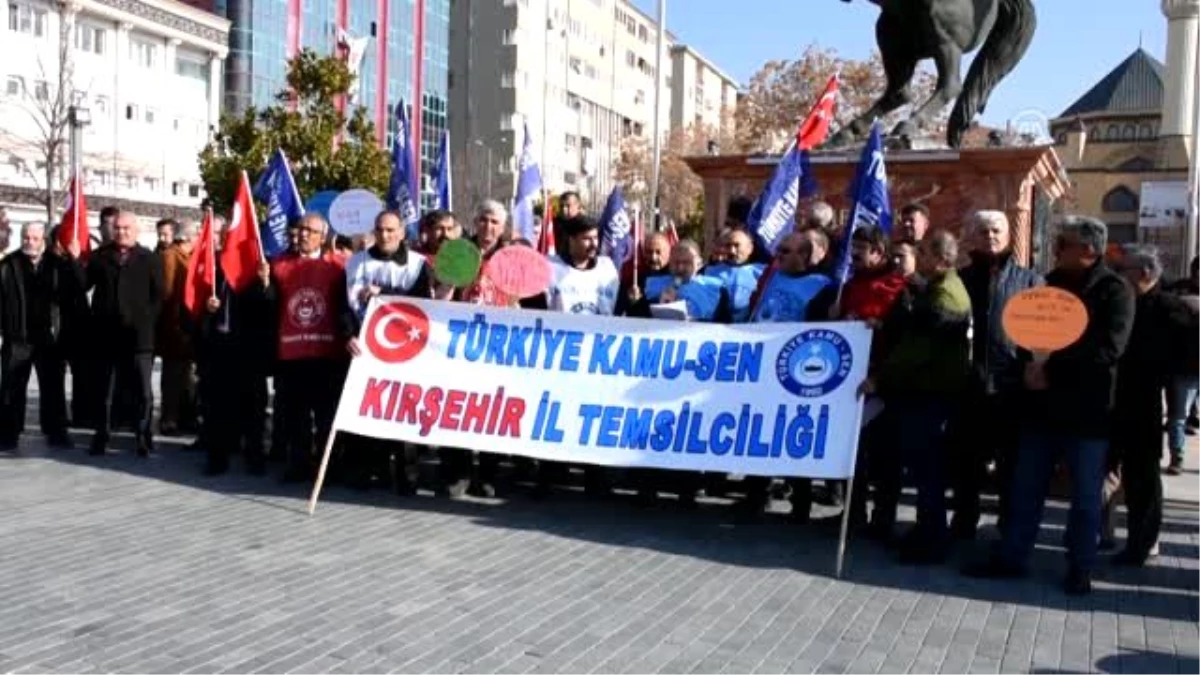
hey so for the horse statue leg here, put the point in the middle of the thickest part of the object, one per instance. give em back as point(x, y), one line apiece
point(949, 61)
point(899, 69)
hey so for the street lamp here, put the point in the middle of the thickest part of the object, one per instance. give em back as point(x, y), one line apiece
point(488, 148)
point(78, 117)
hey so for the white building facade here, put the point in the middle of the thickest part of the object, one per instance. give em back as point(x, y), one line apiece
point(145, 78)
point(581, 73)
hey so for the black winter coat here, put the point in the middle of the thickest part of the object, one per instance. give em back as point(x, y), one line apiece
point(126, 297)
point(1082, 378)
point(68, 307)
point(994, 365)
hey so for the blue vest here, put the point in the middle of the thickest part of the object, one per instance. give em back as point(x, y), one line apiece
point(740, 280)
point(786, 298)
point(656, 284)
point(702, 295)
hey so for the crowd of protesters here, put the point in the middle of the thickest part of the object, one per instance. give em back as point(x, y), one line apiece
point(959, 407)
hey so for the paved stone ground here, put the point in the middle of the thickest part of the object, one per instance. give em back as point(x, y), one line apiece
point(125, 565)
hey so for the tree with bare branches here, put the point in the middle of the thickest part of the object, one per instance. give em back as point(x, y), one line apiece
point(48, 107)
point(782, 92)
point(680, 191)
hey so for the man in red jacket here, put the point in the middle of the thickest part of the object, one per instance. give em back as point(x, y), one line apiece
point(308, 292)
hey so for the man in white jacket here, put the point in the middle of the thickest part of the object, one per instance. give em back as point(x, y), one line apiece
point(584, 282)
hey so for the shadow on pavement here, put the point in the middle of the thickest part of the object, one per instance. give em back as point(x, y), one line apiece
point(710, 531)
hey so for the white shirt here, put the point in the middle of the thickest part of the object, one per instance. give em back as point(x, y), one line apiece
point(365, 270)
point(590, 291)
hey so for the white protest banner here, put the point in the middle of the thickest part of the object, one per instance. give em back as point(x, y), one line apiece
point(762, 399)
point(353, 212)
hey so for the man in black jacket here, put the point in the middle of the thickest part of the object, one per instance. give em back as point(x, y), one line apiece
point(992, 278)
point(1163, 336)
point(1067, 411)
point(126, 280)
point(40, 296)
point(234, 353)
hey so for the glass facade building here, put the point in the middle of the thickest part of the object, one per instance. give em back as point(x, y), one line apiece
point(266, 32)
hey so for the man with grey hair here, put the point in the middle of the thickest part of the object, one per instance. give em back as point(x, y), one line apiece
point(5, 232)
point(820, 215)
point(1067, 411)
point(1162, 337)
point(992, 278)
point(41, 302)
point(126, 281)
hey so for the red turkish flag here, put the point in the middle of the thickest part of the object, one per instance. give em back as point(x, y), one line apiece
point(815, 128)
point(201, 283)
point(74, 224)
point(243, 252)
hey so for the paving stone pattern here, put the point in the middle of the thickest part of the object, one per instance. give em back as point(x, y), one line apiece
point(117, 564)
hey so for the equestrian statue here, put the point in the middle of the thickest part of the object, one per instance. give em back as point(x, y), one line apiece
point(909, 31)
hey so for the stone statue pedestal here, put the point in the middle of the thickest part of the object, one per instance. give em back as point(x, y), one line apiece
point(1022, 181)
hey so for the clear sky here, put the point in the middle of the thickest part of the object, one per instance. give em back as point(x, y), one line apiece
point(1077, 43)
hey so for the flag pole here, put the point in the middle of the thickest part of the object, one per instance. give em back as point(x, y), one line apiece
point(658, 78)
point(212, 248)
point(262, 255)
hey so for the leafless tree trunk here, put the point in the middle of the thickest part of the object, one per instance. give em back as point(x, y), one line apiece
point(48, 106)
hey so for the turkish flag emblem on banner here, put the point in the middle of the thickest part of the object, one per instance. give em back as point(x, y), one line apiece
point(74, 224)
point(243, 249)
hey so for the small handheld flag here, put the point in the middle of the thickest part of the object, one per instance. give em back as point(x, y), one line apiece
point(871, 205)
point(276, 188)
point(529, 183)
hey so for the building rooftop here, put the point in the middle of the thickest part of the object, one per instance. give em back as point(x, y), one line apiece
point(1136, 84)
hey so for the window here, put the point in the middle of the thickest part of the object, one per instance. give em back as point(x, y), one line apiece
point(144, 53)
point(570, 141)
point(630, 58)
point(569, 177)
point(131, 112)
point(643, 34)
point(1120, 200)
point(1146, 132)
point(506, 80)
point(41, 90)
point(102, 105)
point(89, 38)
point(131, 182)
point(191, 68)
point(175, 188)
point(151, 184)
point(1114, 133)
point(150, 112)
point(193, 190)
point(23, 18)
point(1129, 133)
point(509, 36)
point(15, 86)
point(103, 178)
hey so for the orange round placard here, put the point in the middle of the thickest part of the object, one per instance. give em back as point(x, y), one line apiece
point(1044, 319)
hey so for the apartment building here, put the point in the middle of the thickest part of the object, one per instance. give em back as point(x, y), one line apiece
point(145, 77)
point(581, 73)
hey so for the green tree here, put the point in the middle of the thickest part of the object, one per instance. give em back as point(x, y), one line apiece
point(327, 149)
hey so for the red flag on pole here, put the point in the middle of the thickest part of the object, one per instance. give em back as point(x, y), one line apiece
point(815, 128)
point(243, 248)
point(545, 242)
point(74, 224)
point(201, 283)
